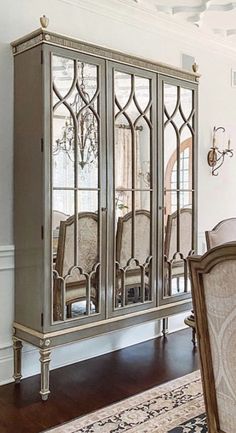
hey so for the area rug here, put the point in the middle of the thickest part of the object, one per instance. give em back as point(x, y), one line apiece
point(175, 407)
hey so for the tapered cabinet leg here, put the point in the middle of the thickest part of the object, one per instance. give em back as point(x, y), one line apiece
point(165, 326)
point(17, 349)
point(45, 357)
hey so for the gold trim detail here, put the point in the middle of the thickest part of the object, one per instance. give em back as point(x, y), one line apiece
point(44, 21)
point(43, 36)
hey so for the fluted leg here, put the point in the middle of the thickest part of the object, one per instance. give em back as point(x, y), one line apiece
point(17, 349)
point(45, 361)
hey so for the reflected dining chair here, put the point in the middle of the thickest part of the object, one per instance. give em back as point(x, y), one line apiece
point(135, 290)
point(213, 277)
point(80, 284)
point(57, 217)
point(175, 268)
point(172, 254)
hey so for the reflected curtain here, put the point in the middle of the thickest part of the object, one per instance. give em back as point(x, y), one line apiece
point(123, 166)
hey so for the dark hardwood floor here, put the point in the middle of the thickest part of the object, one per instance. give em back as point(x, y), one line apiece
point(89, 385)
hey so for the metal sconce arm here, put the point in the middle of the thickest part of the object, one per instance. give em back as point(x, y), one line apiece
point(216, 157)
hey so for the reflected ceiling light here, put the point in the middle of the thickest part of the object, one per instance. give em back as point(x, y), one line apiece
point(80, 128)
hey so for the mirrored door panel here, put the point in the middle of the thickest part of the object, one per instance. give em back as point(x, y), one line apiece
point(133, 229)
point(179, 124)
point(78, 190)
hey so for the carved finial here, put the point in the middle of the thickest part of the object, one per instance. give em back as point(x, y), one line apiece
point(44, 21)
point(195, 67)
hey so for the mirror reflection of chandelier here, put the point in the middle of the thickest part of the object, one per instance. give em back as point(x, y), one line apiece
point(145, 173)
point(86, 137)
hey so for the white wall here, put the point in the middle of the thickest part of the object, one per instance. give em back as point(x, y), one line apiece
point(116, 25)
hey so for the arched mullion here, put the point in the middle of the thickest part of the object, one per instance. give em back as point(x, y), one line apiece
point(61, 98)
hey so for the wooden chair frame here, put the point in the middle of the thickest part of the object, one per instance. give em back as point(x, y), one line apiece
point(198, 266)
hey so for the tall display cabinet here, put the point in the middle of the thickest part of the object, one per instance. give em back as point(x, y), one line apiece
point(105, 191)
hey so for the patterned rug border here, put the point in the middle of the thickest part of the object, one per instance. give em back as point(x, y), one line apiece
point(73, 425)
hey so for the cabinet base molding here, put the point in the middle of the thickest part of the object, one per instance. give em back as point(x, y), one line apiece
point(45, 342)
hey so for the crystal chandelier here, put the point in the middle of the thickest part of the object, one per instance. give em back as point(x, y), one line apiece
point(87, 135)
point(145, 173)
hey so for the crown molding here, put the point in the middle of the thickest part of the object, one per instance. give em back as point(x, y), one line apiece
point(197, 12)
point(223, 32)
point(137, 15)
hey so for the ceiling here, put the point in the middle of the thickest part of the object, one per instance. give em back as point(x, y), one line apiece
point(214, 16)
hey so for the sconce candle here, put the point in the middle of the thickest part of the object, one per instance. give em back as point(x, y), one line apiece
point(215, 156)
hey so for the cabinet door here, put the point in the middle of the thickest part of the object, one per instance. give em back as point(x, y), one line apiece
point(178, 139)
point(78, 189)
point(132, 189)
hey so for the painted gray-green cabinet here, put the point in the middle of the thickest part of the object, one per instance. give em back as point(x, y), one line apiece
point(105, 191)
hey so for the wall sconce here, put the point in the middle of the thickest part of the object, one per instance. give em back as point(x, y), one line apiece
point(216, 157)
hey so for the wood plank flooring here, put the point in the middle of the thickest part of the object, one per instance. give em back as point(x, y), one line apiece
point(90, 385)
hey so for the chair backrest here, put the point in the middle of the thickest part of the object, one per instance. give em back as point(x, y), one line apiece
point(213, 278)
point(223, 232)
point(57, 217)
point(185, 233)
point(142, 237)
point(87, 244)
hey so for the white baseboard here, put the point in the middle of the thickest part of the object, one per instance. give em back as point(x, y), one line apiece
point(70, 353)
point(6, 365)
point(6, 257)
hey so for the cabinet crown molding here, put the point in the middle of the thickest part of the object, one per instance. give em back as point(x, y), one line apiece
point(43, 36)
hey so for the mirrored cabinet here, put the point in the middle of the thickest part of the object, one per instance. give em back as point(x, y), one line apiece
point(105, 191)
